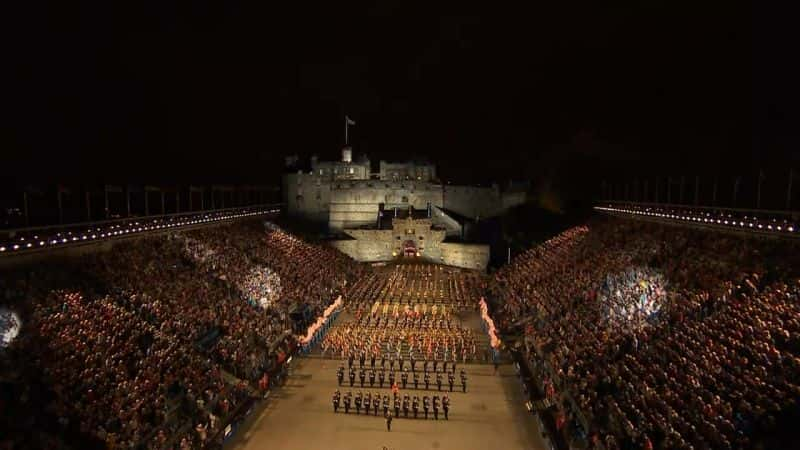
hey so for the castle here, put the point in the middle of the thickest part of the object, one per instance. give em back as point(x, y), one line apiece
point(370, 206)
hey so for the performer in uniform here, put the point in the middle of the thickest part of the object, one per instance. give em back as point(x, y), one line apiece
point(385, 404)
point(416, 380)
point(446, 406)
point(405, 406)
point(352, 376)
point(371, 378)
point(381, 376)
point(450, 380)
point(336, 401)
point(436, 407)
point(426, 405)
point(397, 406)
point(340, 374)
point(347, 402)
point(376, 402)
point(427, 380)
point(367, 402)
point(463, 381)
point(415, 406)
point(361, 376)
point(358, 402)
point(439, 380)
point(404, 378)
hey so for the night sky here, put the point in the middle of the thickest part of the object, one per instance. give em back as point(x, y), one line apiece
point(565, 91)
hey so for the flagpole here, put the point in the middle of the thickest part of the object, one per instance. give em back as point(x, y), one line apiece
point(758, 195)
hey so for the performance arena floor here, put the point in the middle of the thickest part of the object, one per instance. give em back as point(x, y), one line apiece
point(490, 415)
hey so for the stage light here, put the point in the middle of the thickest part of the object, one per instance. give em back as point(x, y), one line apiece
point(15, 247)
point(2, 249)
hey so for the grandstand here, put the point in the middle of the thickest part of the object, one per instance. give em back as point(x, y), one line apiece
point(633, 330)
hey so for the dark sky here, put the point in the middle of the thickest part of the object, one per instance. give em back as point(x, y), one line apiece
point(219, 92)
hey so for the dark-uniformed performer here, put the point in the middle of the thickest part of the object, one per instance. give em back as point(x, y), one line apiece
point(450, 380)
point(404, 378)
point(381, 377)
point(426, 405)
point(347, 402)
point(435, 365)
point(336, 401)
point(361, 358)
point(367, 401)
point(405, 405)
point(425, 366)
point(391, 378)
point(350, 359)
point(389, 422)
point(436, 407)
point(463, 380)
point(340, 374)
point(427, 380)
point(444, 366)
point(400, 363)
point(391, 363)
point(439, 380)
point(385, 404)
point(361, 376)
point(413, 363)
point(416, 380)
point(453, 367)
point(371, 378)
point(383, 361)
point(352, 376)
point(358, 402)
point(446, 406)
point(397, 406)
point(372, 361)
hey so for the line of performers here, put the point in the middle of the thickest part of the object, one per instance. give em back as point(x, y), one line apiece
point(365, 375)
point(401, 363)
point(364, 401)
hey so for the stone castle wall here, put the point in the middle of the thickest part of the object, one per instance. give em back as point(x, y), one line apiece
point(468, 256)
point(353, 203)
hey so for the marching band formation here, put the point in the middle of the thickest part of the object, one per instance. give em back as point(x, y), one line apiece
point(403, 334)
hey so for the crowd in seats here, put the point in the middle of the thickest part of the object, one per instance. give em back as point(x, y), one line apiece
point(660, 337)
point(305, 274)
point(132, 345)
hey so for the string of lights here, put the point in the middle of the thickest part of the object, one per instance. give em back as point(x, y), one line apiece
point(722, 219)
point(22, 241)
